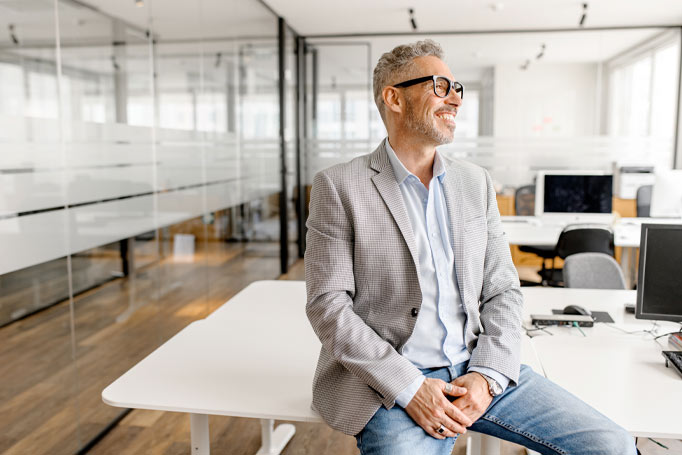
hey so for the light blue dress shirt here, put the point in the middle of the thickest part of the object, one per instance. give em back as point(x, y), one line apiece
point(438, 336)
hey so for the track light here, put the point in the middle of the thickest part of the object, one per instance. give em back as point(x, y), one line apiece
point(14, 38)
point(584, 16)
point(542, 52)
point(114, 63)
point(218, 58)
point(412, 20)
point(525, 66)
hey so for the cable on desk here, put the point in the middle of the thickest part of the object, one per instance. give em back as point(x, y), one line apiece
point(575, 324)
point(669, 333)
point(537, 327)
point(651, 331)
point(658, 443)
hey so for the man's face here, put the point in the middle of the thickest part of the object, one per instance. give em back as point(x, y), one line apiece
point(426, 114)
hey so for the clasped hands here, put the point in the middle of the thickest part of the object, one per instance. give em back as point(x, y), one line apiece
point(430, 407)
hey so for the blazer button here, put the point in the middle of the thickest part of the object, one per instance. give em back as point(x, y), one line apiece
point(415, 312)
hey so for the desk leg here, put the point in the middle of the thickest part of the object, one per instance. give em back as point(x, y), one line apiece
point(274, 439)
point(482, 444)
point(201, 443)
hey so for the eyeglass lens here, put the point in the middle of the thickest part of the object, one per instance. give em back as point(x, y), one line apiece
point(442, 87)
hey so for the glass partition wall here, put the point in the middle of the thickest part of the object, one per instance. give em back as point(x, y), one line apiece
point(588, 99)
point(141, 184)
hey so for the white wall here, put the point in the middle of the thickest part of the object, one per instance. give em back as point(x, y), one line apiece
point(546, 100)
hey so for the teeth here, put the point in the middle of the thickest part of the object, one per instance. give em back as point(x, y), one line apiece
point(449, 117)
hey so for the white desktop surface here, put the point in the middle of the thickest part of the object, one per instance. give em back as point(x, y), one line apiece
point(621, 375)
point(624, 377)
point(532, 231)
point(255, 358)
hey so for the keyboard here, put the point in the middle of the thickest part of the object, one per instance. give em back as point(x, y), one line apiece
point(674, 359)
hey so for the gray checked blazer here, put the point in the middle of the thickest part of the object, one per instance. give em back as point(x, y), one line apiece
point(363, 286)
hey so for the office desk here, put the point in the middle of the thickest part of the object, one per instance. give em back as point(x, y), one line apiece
point(621, 375)
point(255, 356)
point(533, 231)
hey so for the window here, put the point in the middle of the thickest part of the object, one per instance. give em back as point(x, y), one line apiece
point(642, 93)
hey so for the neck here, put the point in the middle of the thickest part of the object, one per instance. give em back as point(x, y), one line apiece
point(415, 154)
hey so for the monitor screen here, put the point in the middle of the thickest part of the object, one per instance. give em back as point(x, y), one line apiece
point(577, 193)
point(659, 285)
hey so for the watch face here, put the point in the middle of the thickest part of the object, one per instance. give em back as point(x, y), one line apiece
point(495, 387)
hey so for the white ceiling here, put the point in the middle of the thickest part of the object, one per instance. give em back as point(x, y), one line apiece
point(194, 20)
point(191, 19)
point(325, 17)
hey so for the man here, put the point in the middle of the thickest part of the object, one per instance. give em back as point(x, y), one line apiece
point(412, 291)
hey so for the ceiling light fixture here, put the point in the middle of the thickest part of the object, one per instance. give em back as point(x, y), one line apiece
point(542, 52)
point(139, 3)
point(496, 7)
point(14, 38)
point(412, 21)
point(584, 16)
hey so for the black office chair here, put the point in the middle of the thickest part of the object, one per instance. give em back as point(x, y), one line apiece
point(644, 200)
point(524, 205)
point(582, 238)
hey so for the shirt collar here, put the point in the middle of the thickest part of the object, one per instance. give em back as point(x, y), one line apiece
point(401, 172)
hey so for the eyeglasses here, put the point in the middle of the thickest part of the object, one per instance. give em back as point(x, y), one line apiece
point(441, 85)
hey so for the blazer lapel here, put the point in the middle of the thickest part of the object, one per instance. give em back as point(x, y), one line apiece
point(389, 190)
point(453, 191)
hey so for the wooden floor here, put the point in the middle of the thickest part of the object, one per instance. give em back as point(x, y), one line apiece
point(52, 376)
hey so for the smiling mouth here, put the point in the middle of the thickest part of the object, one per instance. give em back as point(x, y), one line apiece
point(448, 117)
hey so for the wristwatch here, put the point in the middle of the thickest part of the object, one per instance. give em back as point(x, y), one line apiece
point(494, 388)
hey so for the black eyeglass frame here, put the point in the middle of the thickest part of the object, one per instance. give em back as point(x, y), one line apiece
point(459, 88)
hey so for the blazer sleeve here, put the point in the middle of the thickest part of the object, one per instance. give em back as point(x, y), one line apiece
point(330, 285)
point(501, 301)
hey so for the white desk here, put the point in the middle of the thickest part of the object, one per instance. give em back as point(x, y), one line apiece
point(528, 230)
point(621, 375)
point(532, 231)
point(254, 357)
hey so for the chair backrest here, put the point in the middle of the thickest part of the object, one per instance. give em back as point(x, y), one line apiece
point(524, 200)
point(593, 271)
point(644, 200)
point(585, 238)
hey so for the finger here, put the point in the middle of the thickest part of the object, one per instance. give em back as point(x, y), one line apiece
point(457, 415)
point(454, 390)
point(452, 428)
point(433, 432)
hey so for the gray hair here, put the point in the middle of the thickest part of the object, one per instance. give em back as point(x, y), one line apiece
point(398, 63)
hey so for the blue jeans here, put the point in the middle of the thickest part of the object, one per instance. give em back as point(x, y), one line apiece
point(537, 414)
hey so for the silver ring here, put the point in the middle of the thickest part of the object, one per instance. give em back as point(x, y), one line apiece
point(448, 387)
point(441, 430)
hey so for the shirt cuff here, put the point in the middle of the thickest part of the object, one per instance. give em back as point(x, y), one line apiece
point(404, 397)
point(502, 380)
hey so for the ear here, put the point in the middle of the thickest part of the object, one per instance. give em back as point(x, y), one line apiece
point(393, 99)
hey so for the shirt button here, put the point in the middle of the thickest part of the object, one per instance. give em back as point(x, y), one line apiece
point(433, 234)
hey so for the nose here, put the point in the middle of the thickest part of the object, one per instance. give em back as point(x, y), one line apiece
point(453, 98)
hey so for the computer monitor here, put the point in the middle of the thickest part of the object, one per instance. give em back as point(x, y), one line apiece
point(659, 284)
point(666, 195)
point(574, 192)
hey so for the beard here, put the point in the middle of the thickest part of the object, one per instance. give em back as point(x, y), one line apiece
point(427, 129)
